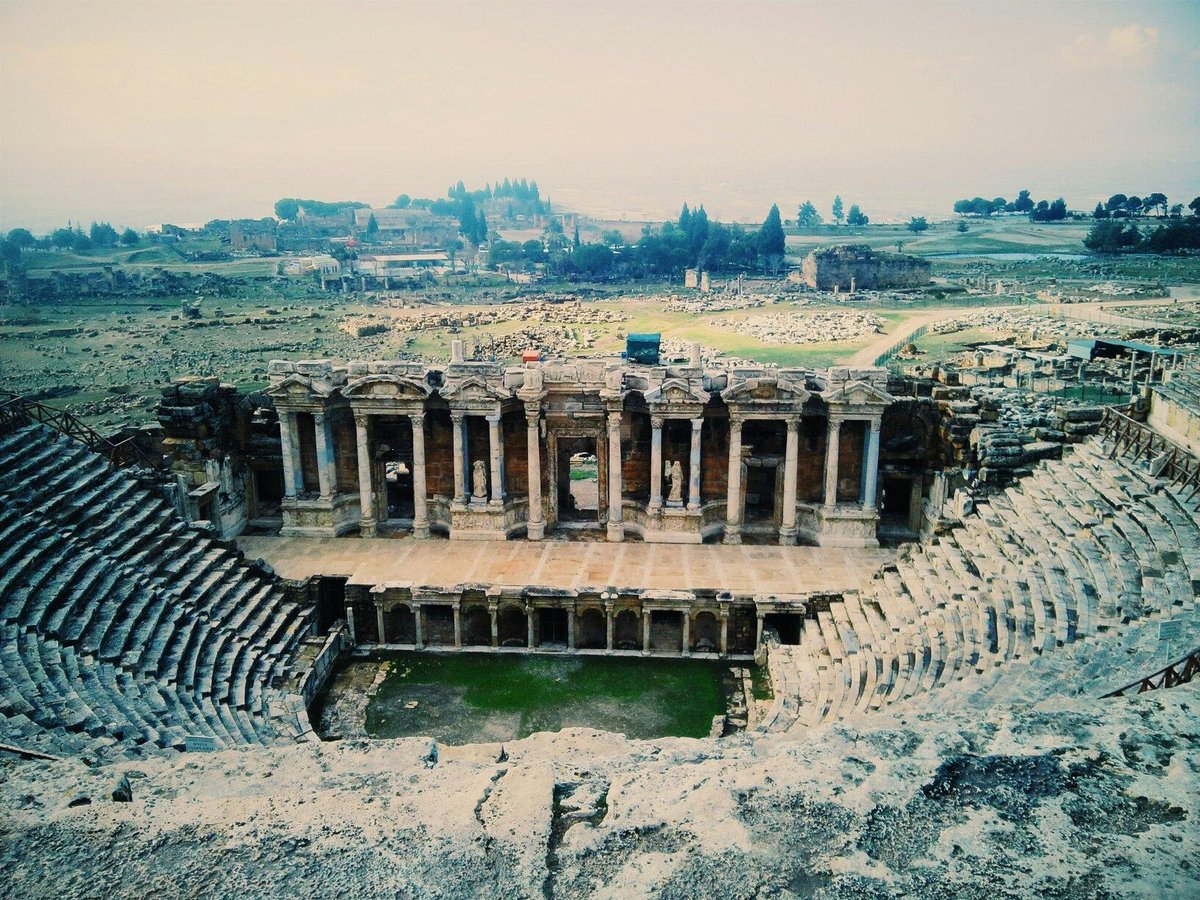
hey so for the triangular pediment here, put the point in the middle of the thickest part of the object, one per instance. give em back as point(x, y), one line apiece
point(676, 390)
point(297, 387)
point(765, 390)
point(472, 388)
point(858, 392)
point(386, 387)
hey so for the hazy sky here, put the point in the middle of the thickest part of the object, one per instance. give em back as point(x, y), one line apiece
point(149, 112)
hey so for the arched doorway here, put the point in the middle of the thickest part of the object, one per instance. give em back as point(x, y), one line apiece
point(513, 627)
point(593, 630)
point(399, 625)
point(706, 633)
point(627, 630)
point(477, 627)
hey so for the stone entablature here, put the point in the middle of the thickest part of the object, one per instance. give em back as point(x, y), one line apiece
point(610, 620)
point(477, 448)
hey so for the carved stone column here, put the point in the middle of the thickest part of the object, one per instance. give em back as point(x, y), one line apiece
point(608, 626)
point(529, 617)
point(379, 622)
point(293, 474)
point(350, 625)
point(787, 529)
point(871, 466)
point(724, 632)
point(687, 633)
point(493, 606)
point(419, 627)
point(571, 628)
point(420, 491)
point(694, 466)
point(616, 528)
point(457, 424)
point(326, 476)
point(733, 503)
point(496, 454)
point(366, 493)
point(656, 463)
point(646, 631)
point(536, 528)
point(759, 633)
point(457, 627)
point(833, 437)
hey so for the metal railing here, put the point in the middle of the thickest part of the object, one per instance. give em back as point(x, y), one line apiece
point(886, 355)
point(1133, 440)
point(17, 411)
point(1179, 672)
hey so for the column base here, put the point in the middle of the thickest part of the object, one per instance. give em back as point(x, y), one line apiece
point(787, 537)
point(733, 535)
point(368, 529)
point(616, 531)
point(536, 531)
point(421, 530)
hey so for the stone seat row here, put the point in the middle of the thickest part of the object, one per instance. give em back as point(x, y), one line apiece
point(124, 628)
point(1073, 555)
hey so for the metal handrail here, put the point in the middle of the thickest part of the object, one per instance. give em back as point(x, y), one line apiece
point(16, 411)
point(1179, 672)
point(1131, 438)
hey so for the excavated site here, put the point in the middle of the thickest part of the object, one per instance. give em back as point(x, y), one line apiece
point(977, 618)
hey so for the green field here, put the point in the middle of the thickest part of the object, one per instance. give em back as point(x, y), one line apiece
point(463, 698)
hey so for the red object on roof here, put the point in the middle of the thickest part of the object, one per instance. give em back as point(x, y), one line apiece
point(531, 356)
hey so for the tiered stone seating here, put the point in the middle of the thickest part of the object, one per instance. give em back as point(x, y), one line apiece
point(125, 631)
point(1058, 584)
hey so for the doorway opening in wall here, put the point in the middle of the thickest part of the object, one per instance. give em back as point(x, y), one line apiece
point(578, 481)
point(397, 475)
point(331, 601)
point(393, 436)
point(760, 493)
point(895, 501)
point(786, 625)
point(268, 493)
point(552, 627)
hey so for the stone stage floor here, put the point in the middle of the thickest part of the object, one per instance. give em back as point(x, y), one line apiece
point(746, 569)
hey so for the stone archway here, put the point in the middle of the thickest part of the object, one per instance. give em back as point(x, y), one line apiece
point(627, 630)
point(477, 627)
point(399, 625)
point(513, 626)
point(706, 633)
point(592, 630)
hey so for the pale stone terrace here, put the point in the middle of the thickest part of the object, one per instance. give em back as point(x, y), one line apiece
point(740, 569)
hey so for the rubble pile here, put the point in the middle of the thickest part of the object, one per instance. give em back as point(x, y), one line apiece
point(802, 328)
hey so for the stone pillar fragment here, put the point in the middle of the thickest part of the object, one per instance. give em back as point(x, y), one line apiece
point(571, 628)
point(733, 503)
point(366, 493)
point(457, 424)
point(496, 454)
point(646, 631)
point(832, 447)
point(420, 491)
point(379, 621)
point(492, 610)
point(687, 634)
point(293, 474)
point(787, 529)
point(616, 528)
point(419, 626)
point(694, 466)
point(537, 523)
point(871, 466)
point(530, 615)
point(457, 627)
point(656, 463)
point(608, 627)
point(724, 633)
point(326, 476)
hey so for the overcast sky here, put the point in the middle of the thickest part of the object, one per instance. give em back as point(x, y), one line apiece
point(148, 112)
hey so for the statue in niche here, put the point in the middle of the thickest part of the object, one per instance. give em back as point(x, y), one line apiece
point(478, 480)
point(675, 473)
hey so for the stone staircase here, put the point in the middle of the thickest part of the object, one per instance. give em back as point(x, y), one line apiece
point(123, 630)
point(1058, 585)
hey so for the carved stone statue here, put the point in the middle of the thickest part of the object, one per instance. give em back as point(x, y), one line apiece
point(675, 473)
point(478, 480)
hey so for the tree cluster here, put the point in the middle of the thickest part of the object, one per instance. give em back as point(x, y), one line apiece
point(1115, 236)
point(980, 206)
point(101, 235)
point(1122, 206)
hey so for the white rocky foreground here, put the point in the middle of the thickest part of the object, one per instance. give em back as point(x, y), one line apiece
point(1068, 798)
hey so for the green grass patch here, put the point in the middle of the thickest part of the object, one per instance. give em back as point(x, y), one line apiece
point(462, 698)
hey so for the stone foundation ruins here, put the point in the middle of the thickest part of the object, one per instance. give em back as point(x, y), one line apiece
point(853, 267)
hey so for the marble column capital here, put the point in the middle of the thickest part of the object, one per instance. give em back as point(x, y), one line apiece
point(417, 419)
point(493, 418)
point(793, 426)
point(657, 422)
point(457, 418)
point(614, 421)
point(697, 424)
point(361, 419)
